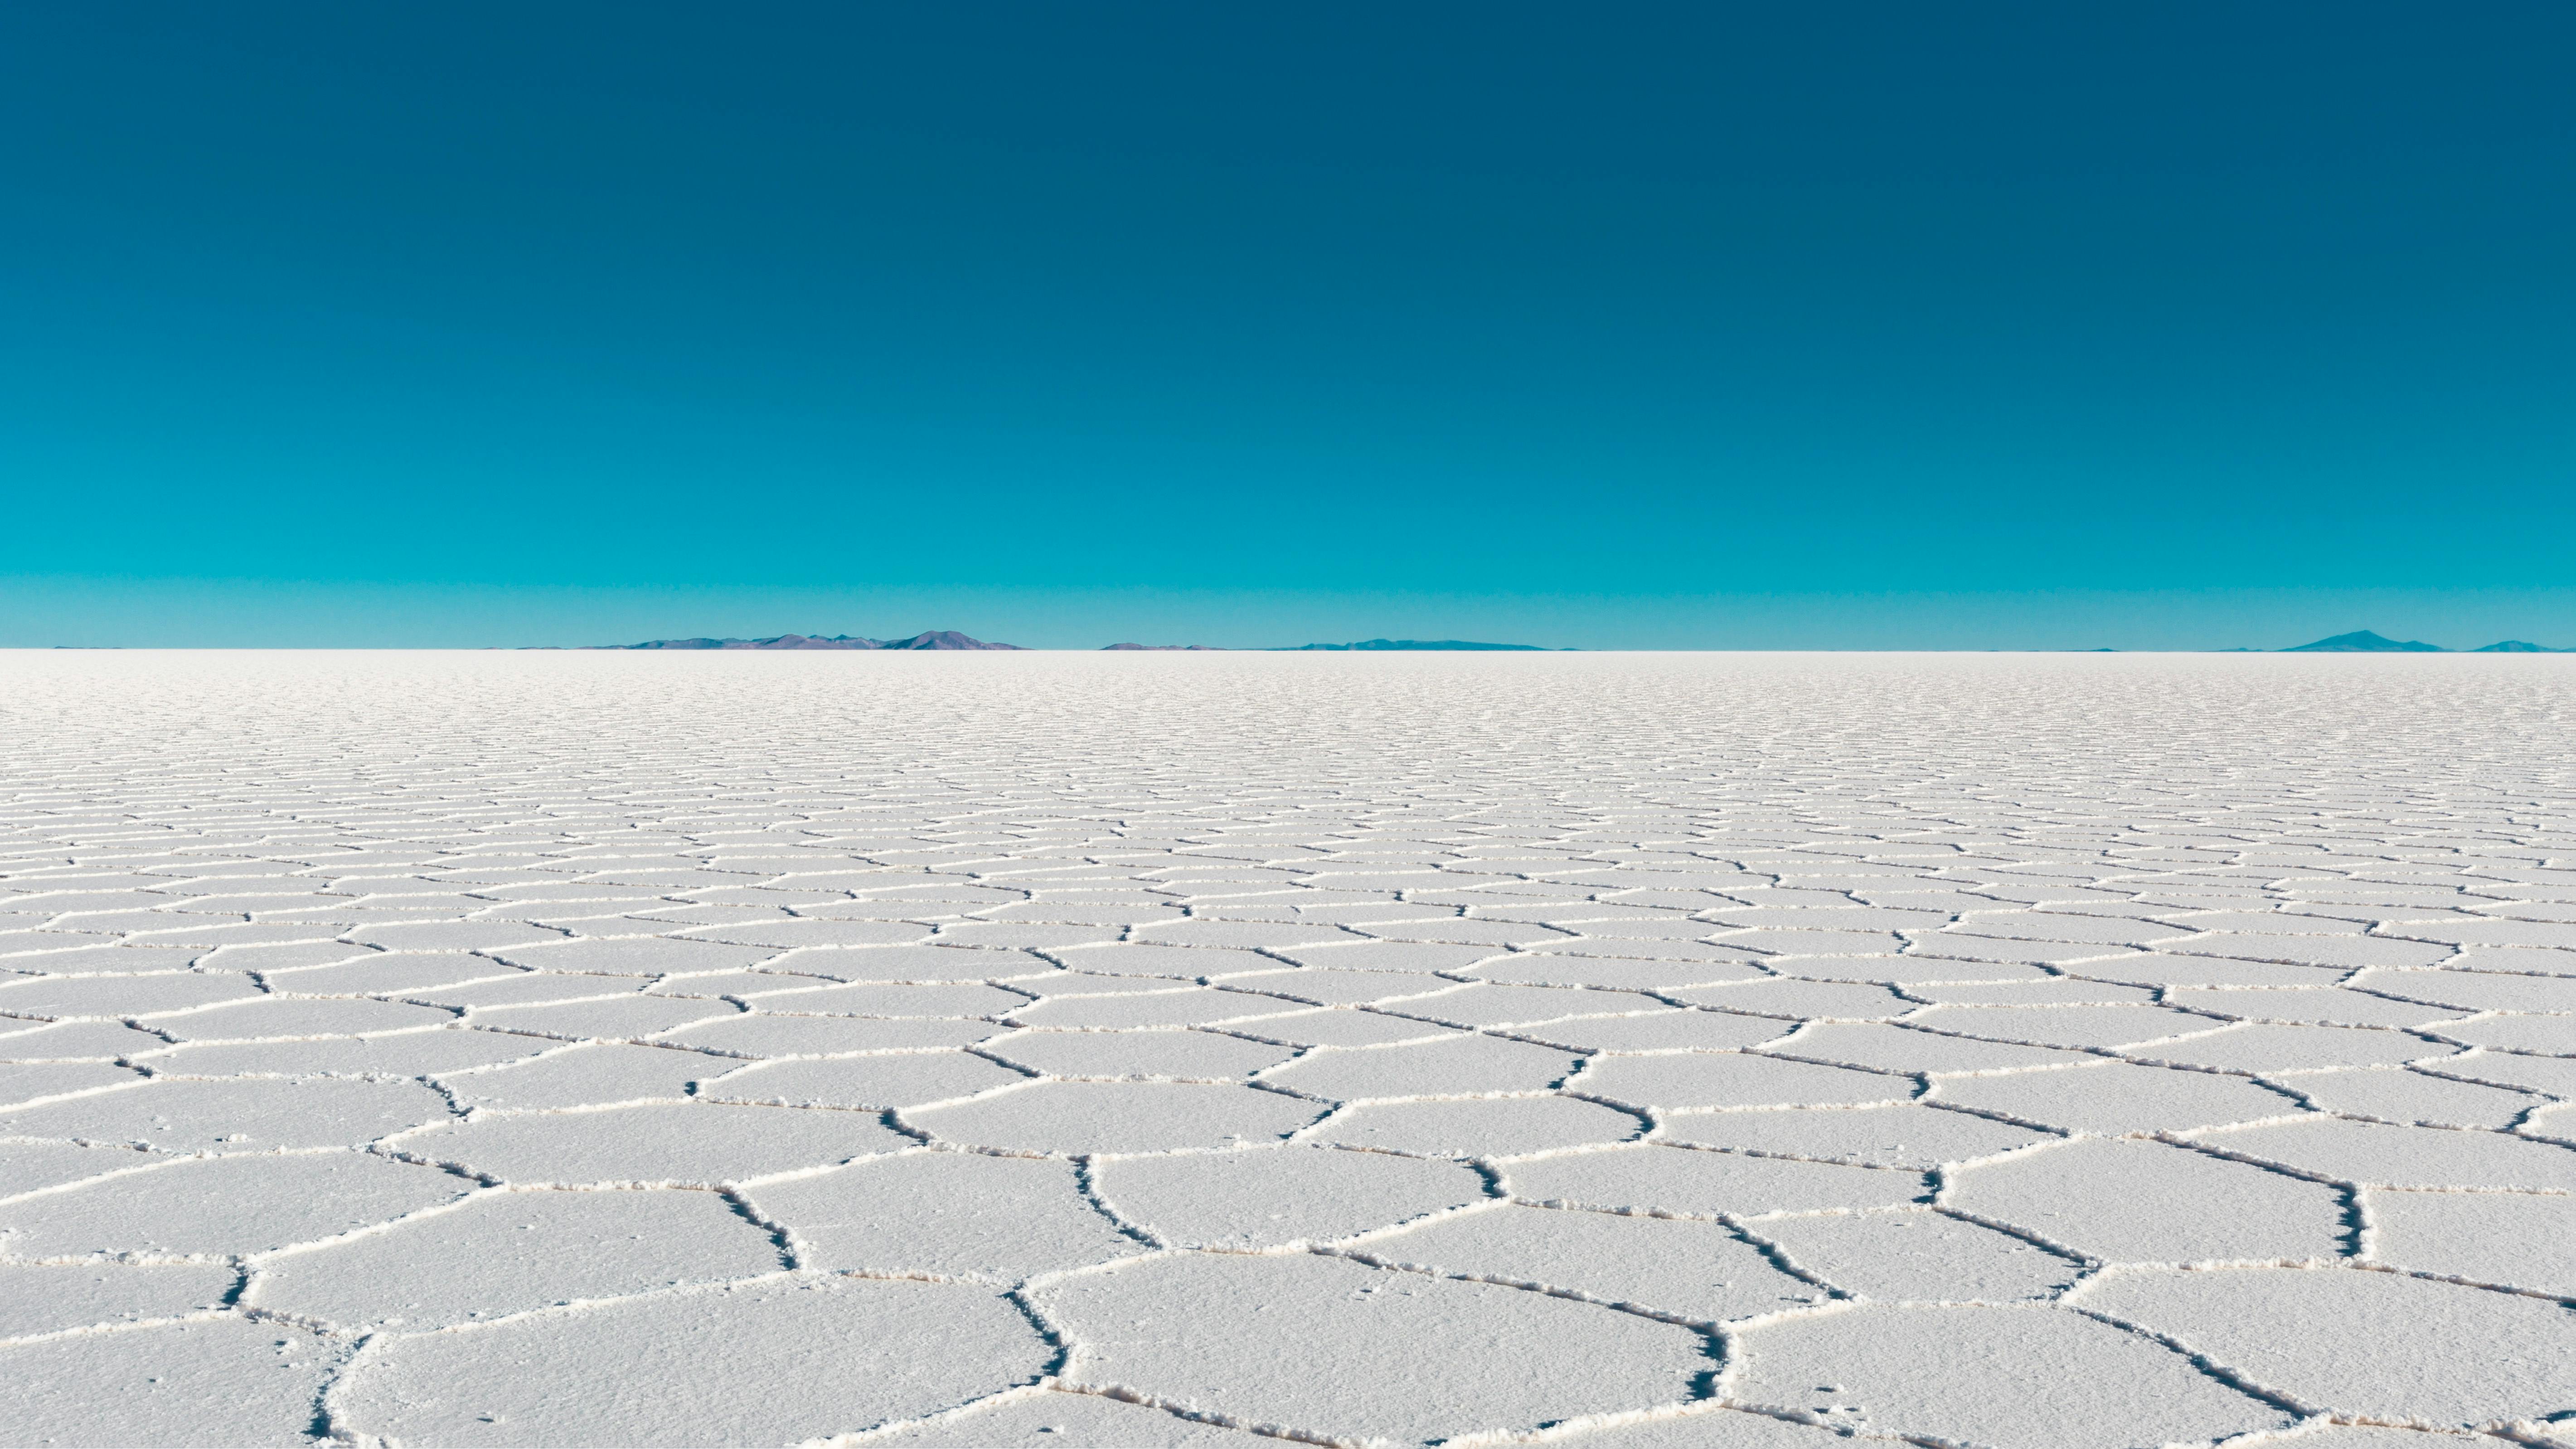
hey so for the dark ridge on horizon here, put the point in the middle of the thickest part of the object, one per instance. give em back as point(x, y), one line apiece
point(951, 639)
point(930, 639)
point(1375, 644)
point(2359, 641)
point(2363, 641)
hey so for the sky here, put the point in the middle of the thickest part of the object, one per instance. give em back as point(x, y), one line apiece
point(1846, 325)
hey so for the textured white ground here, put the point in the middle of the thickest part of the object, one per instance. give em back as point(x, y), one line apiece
point(1633, 1051)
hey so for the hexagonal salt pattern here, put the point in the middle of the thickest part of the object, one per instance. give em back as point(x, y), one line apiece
point(1633, 1051)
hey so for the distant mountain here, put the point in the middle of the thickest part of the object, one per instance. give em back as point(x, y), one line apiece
point(2362, 641)
point(2517, 646)
point(783, 641)
point(940, 639)
point(934, 639)
point(1157, 648)
point(1420, 644)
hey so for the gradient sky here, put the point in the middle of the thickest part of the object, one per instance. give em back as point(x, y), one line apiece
point(1690, 325)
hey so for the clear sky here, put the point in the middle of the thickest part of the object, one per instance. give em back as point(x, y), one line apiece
point(1687, 325)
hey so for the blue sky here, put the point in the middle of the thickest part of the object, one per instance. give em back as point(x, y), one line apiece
point(1849, 325)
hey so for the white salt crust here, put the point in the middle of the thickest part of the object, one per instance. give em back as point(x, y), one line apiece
point(1633, 1051)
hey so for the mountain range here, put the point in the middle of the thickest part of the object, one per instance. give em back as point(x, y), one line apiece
point(951, 639)
point(2363, 641)
point(1372, 644)
point(933, 639)
point(2360, 641)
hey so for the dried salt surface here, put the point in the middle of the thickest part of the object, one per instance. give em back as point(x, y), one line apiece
point(2373, 1436)
point(777, 1361)
point(1713, 1080)
point(2128, 1200)
point(1915, 1255)
point(1686, 1270)
point(1207, 1332)
point(2381, 1346)
point(2115, 1100)
point(1048, 1419)
point(2514, 1239)
point(216, 1207)
point(585, 1074)
point(407, 1054)
point(685, 1143)
point(1081, 1117)
point(1266, 1198)
point(214, 1380)
point(2045, 1377)
point(1683, 1182)
point(2369, 1154)
point(999, 1220)
point(2397, 1094)
point(177, 1114)
point(1712, 1426)
point(895, 1079)
point(1634, 1050)
point(1477, 1126)
point(41, 1298)
point(1196, 1056)
point(1900, 1136)
point(499, 1253)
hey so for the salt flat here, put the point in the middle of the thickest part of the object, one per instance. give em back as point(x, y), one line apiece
point(1631, 1050)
